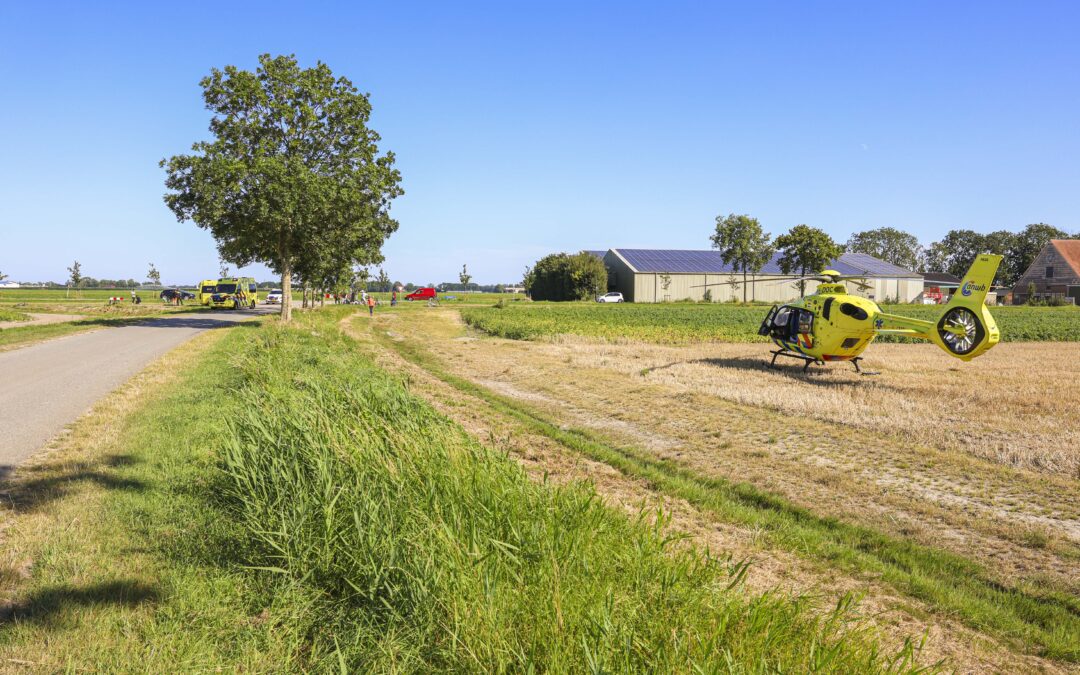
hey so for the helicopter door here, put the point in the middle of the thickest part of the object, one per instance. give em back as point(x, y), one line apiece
point(781, 320)
point(793, 324)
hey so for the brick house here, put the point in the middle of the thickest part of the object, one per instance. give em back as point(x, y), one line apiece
point(1055, 272)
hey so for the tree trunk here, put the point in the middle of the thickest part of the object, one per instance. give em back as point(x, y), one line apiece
point(744, 284)
point(286, 293)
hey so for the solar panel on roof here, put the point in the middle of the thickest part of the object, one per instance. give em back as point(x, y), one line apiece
point(675, 261)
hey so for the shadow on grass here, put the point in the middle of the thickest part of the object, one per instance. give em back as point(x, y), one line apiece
point(48, 604)
point(41, 485)
point(791, 369)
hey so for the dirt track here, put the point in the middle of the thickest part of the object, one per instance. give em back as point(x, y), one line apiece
point(37, 319)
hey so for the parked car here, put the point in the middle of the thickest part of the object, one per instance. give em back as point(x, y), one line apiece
point(170, 295)
point(421, 294)
point(274, 297)
point(610, 297)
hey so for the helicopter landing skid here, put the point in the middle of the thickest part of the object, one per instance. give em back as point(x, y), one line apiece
point(809, 360)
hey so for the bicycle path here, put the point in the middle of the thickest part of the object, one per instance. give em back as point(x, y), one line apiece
point(46, 386)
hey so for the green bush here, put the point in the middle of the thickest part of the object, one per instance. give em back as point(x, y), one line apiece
point(562, 276)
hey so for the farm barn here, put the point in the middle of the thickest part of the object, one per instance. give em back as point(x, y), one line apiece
point(1055, 272)
point(653, 275)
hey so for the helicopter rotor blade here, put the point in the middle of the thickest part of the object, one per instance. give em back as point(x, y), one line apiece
point(740, 281)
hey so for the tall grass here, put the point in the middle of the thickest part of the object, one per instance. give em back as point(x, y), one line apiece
point(1042, 620)
point(425, 550)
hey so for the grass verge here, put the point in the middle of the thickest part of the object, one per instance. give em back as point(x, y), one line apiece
point(1039, 621)
point(13, 315)
point(284, 504)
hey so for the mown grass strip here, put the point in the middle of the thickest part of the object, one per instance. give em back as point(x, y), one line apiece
point(1047, 623)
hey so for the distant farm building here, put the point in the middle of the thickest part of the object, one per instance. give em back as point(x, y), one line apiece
point(651, 275)
point(937, 287)
point(9, 284)
point(1055, 272)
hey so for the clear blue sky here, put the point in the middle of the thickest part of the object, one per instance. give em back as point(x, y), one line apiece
point(526, 128)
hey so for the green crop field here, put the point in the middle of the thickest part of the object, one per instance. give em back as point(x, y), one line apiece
point(680, 323)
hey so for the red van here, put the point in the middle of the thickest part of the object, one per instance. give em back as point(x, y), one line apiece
point(421, 294)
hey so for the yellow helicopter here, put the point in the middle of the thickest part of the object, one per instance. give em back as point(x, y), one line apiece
point(832, 325)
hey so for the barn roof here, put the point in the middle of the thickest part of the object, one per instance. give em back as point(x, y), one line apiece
point(941, 279)
point(709, 262)
point(1070, 250)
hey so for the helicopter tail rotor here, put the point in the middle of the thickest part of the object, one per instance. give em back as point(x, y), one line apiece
point(966, 328)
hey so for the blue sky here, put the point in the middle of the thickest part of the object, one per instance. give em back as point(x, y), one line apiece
point(526, 128)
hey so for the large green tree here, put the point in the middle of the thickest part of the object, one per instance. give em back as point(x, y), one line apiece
point(293, 172)
point(1002, 242)
point(562, 276)
point(806, 250)
point(888, 244)
point(742, 244)
point(954, 253)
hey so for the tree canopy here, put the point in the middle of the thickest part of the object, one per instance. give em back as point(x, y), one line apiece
point(806, 250)
point(293, 177)
point(75, 277)
point(742, 243)
point(562, 276)
point(958, 248)
point(888, 244)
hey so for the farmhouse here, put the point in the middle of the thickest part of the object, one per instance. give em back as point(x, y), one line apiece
point(1055, 272)
point(651, 275)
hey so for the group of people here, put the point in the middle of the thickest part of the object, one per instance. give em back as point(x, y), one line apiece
point(362, 298)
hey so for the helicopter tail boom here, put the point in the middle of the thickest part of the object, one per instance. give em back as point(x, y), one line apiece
point(965, 328)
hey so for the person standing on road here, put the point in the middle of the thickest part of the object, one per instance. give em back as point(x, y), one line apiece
point(371, 305)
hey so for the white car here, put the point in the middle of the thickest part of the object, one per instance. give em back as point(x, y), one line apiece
point(610, 297)
point(274, 297)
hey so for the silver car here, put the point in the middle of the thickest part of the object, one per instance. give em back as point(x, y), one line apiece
point(614, 296)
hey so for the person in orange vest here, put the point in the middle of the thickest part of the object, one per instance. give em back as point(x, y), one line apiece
point(371, 304)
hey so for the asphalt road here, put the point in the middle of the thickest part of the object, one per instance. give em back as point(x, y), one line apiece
point(45, 386)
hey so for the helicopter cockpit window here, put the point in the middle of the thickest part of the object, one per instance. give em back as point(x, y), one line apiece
point(805, 321)
point(781, 318)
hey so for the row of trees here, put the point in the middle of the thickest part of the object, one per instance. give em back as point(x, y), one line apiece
point(564, 276)
point(807, 250)
point(77, 280)
point(744, 245)
point(955, 251)
point(293, 177)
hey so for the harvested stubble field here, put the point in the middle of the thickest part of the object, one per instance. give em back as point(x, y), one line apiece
point(979, 461)
point(687, 322)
